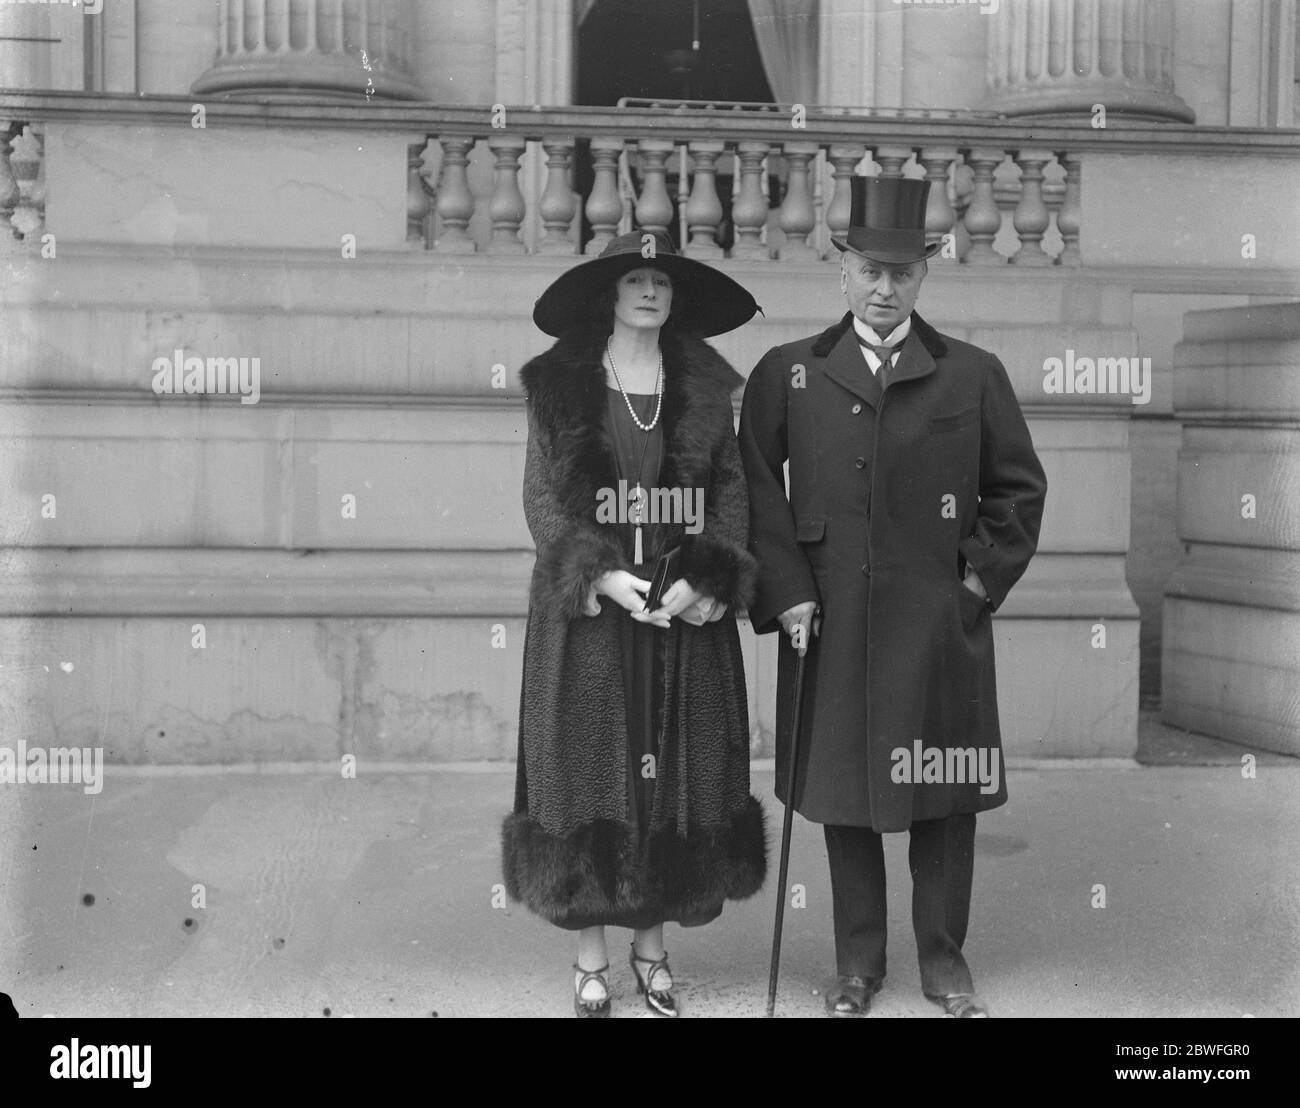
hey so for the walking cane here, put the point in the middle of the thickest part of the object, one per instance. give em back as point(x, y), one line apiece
point(788, 825)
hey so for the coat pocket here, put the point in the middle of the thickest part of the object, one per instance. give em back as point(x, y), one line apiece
point(973, 606)
point(810, 530)
point(954, 419)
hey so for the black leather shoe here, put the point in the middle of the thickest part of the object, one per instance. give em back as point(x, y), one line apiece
point(656, 984)
point(850, 997)
point(962, 1006)
point(595, 1008)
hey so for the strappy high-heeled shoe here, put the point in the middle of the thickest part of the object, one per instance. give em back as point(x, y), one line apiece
point(591, 1009)
point(660, 1001)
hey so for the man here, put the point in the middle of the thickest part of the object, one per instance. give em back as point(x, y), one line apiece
point(914, 504)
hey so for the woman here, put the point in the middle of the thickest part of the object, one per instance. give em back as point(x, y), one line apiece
point(632, 803)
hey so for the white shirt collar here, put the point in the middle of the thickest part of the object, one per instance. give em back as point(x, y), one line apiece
point(897, 335)
point(894, 338)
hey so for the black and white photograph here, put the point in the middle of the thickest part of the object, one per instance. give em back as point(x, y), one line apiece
point(650, 509)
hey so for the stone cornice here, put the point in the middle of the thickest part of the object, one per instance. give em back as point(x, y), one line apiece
point(884, 126)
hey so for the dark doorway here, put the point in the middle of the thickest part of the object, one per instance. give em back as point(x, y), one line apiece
point(642, 49)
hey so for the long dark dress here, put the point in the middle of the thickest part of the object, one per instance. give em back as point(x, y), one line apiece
point(639, 455)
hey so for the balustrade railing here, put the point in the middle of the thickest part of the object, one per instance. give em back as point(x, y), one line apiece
point(988, 204)
point(757, 185)
point(22, 180)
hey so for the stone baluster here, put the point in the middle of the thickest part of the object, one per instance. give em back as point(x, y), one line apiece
point(558, 205)
point(798, 216)
point(506, 208)
point(983, 219)
point(1032, 217)
point(844, 160)
point(417, 196)
point(455, 204)
point(9, 192)
point(963, 189)
point(749, 213)
point(891, 159)
point(604, 205)
point(703, 208)
point(939, 214)
point(1070, 217)
point(654, 207)
point(28, 218)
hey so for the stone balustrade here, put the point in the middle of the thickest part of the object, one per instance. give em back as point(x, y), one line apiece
point(1027, 201)
point(748, 185)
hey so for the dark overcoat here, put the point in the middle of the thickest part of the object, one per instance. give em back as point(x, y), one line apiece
point(891, 495)
point(570, 849)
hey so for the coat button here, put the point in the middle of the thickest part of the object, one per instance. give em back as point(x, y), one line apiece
point(857, 408)
point(861, 463)
point(866, 571)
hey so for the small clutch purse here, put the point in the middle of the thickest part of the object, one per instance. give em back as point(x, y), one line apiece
point(665, 574)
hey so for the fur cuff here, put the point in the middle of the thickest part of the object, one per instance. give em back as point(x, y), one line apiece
point(569, 566)
point(719, 570)
point(594, 871)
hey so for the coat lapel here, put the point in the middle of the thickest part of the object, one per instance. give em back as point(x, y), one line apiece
point(846, 366)
point(914, 360)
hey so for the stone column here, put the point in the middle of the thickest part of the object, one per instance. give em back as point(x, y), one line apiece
point(1062, 57)
point(340, 49)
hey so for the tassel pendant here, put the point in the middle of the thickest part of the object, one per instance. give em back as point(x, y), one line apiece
point(637, 556)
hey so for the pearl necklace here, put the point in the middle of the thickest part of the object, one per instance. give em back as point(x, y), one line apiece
point(659, 404)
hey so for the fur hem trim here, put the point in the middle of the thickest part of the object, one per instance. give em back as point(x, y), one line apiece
point(569, 566)
point(720, 570)
point(595, 870)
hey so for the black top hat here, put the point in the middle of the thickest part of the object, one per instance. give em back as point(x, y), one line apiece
point(887, 220)
point(705, 300)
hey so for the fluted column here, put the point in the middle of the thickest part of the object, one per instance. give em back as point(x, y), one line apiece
point(340, 49)
point(1061, 57)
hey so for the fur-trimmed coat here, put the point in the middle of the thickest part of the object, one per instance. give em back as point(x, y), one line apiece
point(892, 494)
point(569, 849)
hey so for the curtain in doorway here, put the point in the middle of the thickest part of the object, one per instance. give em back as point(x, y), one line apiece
point(786, 31)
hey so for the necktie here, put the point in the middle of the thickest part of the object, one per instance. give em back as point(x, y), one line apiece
point(884, 353)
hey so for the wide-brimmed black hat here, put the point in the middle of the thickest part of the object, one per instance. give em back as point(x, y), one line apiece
point(705, 300)
point(887, 220)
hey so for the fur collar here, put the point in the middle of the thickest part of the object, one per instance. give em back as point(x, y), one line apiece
point(824, 343)
point(566, 389)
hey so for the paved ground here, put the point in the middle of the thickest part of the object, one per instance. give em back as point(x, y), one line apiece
point(375, 896)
